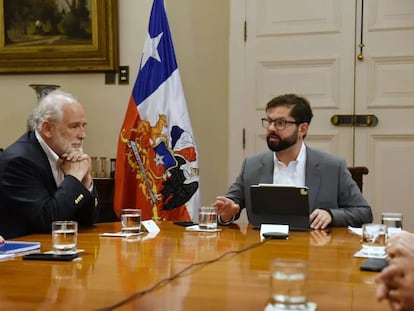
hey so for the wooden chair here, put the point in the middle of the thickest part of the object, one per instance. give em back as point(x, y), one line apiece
point(105, 187)
point(357, 173)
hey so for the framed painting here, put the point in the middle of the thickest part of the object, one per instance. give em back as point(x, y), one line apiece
point(58, 36)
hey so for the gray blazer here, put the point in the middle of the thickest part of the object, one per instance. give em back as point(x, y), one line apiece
point(330, 184)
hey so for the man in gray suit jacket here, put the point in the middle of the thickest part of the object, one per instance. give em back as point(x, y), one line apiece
point(334, 197)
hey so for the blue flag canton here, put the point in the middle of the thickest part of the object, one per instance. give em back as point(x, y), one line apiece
point(155, 72)
point(164, 156)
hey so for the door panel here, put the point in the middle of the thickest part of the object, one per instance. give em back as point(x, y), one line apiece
point(300, 47)
point(385, 87)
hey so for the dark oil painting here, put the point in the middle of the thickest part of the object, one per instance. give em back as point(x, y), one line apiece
point(47, 22)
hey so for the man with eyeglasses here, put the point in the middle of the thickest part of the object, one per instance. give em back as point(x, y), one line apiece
point(338, 199)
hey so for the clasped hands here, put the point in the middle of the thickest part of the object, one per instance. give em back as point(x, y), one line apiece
point(77, 164)
point(396, 282)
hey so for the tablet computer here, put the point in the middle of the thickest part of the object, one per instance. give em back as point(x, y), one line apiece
point(282, 205)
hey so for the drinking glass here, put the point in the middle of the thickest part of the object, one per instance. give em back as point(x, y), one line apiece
point(64, 237)
point(131, 220)
point(392, 219)
point(288, 284)
point(374, 239)
point(207, 219)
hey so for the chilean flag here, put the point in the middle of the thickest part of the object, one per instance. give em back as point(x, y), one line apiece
point(157, 160)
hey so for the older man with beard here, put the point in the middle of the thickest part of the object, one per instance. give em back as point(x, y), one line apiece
point(335, 199)
point(45, 175)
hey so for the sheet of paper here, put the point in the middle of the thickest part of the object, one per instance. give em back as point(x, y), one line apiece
point(196, 228)
point(6, 256)
point(119, 234)
point(150, 226)
point(78, 251)
point(362, 254)
point(355, 230)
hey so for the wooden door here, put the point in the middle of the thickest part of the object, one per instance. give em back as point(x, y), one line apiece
point(384, 87)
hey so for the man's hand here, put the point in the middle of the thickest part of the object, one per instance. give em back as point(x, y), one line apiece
point(77, 164)
point(225, 208)
point(397, 284)
point(401, 244)
point(320, 219)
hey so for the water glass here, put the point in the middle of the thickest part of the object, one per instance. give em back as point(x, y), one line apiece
point(374, 239)
point(131, 220)
point(64, 237)
point(288, 284)
point(207, 219)
point(392, 220)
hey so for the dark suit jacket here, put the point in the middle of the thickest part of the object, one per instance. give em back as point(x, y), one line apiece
point(29, 197)
point(330, 184)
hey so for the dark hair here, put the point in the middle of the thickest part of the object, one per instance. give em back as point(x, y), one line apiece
point(301, 110)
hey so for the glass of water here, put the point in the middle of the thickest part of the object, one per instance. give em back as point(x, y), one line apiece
point(374, 239)
point(392, 219)
point(288, 284)
point(207, 218)
point(131, 220)
point(64, 237)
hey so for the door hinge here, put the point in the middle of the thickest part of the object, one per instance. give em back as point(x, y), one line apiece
point(245, 31)
point(244, 139)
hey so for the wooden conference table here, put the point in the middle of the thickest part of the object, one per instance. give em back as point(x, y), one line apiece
point(112, 269)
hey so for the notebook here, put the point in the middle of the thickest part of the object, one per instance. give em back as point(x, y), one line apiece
point(281, 205)
point(15, 247)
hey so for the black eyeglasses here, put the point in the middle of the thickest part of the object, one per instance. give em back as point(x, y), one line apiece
point(280, 124)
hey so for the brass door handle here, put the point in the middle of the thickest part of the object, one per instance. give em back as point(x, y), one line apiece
point(359, 120)
point(342, 120)
point(365, 120)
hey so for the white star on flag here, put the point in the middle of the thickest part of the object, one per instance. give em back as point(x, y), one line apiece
point(151, 49)
point(159, 159)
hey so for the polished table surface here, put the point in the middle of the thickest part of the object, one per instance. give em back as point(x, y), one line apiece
point(113, 269)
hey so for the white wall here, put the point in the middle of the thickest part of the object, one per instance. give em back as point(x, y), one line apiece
point(200, 35)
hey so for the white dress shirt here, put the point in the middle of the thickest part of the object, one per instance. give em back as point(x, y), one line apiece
point(53, 160)
point(294, 173)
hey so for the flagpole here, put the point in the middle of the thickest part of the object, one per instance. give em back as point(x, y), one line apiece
point(132, 144)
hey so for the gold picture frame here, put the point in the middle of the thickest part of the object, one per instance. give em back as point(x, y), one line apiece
point(46, 46)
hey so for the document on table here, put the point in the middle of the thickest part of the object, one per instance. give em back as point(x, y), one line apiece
point(16, 247)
